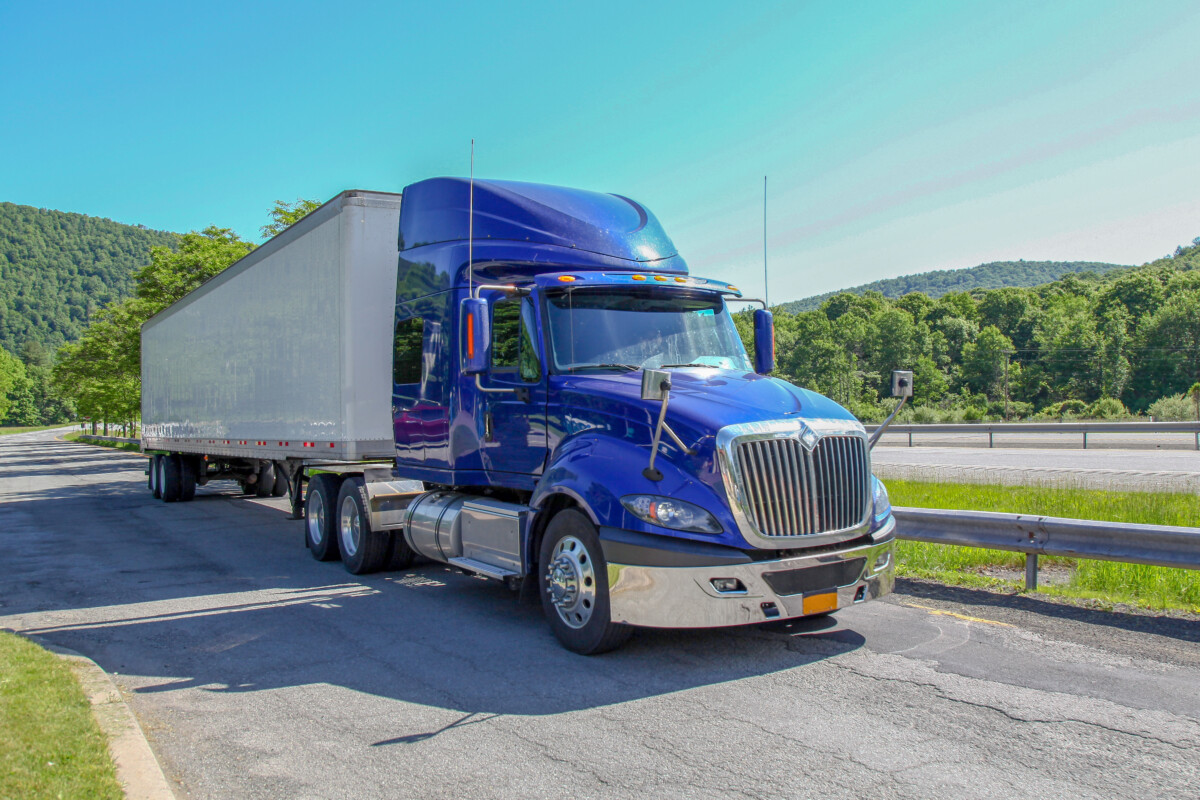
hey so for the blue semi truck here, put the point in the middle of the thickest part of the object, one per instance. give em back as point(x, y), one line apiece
point(526, 383)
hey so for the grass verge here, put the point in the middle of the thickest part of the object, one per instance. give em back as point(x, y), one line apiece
point(30, 429)
point(50, 744)
point(1107, 582)
point(130, 447)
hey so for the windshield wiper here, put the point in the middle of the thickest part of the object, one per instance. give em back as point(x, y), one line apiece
point(626, 367)
point(668, 366)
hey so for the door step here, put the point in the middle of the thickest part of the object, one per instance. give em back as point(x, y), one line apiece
point(487, 570)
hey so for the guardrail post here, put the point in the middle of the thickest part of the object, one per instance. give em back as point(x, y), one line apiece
point(1085, 440)
point(991, 443)
point(1197, 439)
point(1031, 570)
point(910, 439)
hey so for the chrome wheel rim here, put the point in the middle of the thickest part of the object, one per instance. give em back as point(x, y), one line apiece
point(162, 474)
point(154, 475)
point(571, 582)
point(316, 517)
point(350, 526)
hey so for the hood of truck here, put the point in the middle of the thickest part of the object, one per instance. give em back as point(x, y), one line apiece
point(702, 400)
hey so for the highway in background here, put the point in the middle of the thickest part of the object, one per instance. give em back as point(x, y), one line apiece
point(1108, 465)
point(260, 673)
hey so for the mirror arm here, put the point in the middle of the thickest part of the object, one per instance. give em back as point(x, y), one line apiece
point(879, 431)
point(650, 473)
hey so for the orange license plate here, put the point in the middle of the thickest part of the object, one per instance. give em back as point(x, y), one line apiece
point(820, 603)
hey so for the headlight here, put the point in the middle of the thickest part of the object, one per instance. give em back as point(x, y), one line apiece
point(881, 502)
point(671, 513)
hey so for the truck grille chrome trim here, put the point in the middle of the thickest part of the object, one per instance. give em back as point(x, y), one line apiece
point(784, 493)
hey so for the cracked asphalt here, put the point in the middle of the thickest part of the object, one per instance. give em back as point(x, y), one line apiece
point(260, 673)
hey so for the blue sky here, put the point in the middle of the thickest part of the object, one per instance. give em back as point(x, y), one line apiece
point(897, 137)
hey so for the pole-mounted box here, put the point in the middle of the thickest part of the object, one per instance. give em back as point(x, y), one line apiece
point(902, 383)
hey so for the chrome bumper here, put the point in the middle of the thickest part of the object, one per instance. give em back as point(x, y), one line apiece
point(684, 597)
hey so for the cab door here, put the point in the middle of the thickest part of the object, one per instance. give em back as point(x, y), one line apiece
point(514, 420)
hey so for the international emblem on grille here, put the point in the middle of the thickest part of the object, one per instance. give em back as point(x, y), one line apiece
point(788, 488)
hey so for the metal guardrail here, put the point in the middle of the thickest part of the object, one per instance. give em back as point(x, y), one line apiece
point(109, 438)
point(1157, 545)
point(993, 428)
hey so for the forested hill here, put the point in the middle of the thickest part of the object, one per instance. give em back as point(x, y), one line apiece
point(57, 268)
point(995, 275)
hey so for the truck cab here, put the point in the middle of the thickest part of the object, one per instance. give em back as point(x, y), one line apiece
point(527, 320)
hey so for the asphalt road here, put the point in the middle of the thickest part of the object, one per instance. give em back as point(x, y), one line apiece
point(260, 673)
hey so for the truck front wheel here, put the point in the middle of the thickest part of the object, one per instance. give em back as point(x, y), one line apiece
point(319, 527)
point(574, 586)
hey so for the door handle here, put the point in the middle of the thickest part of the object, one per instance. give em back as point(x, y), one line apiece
point(487, 426)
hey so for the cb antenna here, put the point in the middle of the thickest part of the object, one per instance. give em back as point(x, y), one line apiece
point(471, 229)
point(766, 289)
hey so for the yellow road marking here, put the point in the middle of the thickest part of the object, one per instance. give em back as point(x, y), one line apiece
point(959, 616)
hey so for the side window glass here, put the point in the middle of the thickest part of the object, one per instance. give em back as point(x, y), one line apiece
point(530, 364)
point(407, 357)
point(506, 325)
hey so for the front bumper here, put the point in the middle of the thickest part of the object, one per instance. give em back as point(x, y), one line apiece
point(684, 597)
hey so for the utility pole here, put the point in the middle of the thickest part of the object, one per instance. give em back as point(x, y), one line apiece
point(1007, 355)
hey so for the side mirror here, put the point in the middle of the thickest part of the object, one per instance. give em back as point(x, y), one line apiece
point(764, 341)
point(476, 335)
point(902, 383)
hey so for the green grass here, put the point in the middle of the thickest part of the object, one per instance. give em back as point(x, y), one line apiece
point(1105, 581)
point(31, 429)
point(50, 745)
point(131, 447)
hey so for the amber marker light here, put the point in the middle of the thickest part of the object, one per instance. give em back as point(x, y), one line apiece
point(660, 277)
point(566, 278)
point(638, 277)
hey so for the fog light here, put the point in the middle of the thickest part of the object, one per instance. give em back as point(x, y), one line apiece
point(881, 563)
point(770, 611)
point(727, 585)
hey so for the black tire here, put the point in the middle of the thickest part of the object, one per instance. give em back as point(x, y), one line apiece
point(363, 550)
point(153, 480)
point(168, 478)
point(281, 481)
point(265, 485)
point(187, 477)
point(400, 555)
point(320, 529)
point(573, 583)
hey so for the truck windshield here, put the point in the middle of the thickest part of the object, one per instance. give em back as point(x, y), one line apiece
point(625, 329)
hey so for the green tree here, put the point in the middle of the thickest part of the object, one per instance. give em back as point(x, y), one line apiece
point(983, 362)
point(284, 215)
point(12, 376)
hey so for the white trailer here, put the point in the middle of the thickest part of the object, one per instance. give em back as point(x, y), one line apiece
point(285, 356)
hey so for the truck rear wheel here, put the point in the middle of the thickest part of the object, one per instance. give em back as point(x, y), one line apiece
point(265, 485)
point(168, 478)
point(281, 481)
point(319, 508)
point(363, 550)
point(574, 586)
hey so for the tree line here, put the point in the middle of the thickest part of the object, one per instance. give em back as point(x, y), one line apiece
point(1085, 344)
point(1127, 341)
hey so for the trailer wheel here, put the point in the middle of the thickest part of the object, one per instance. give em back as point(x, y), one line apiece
point(281, 481)
point(154, 485)
point(187, 477)
point(168, 478)
point(363, 550)
point(574, 586)
point(319, 528)
point(265, 485)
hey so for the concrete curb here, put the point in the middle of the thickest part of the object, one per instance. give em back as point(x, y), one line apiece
point(138, 770)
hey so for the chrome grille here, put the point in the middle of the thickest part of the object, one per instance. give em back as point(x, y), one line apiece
point(792, 491)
